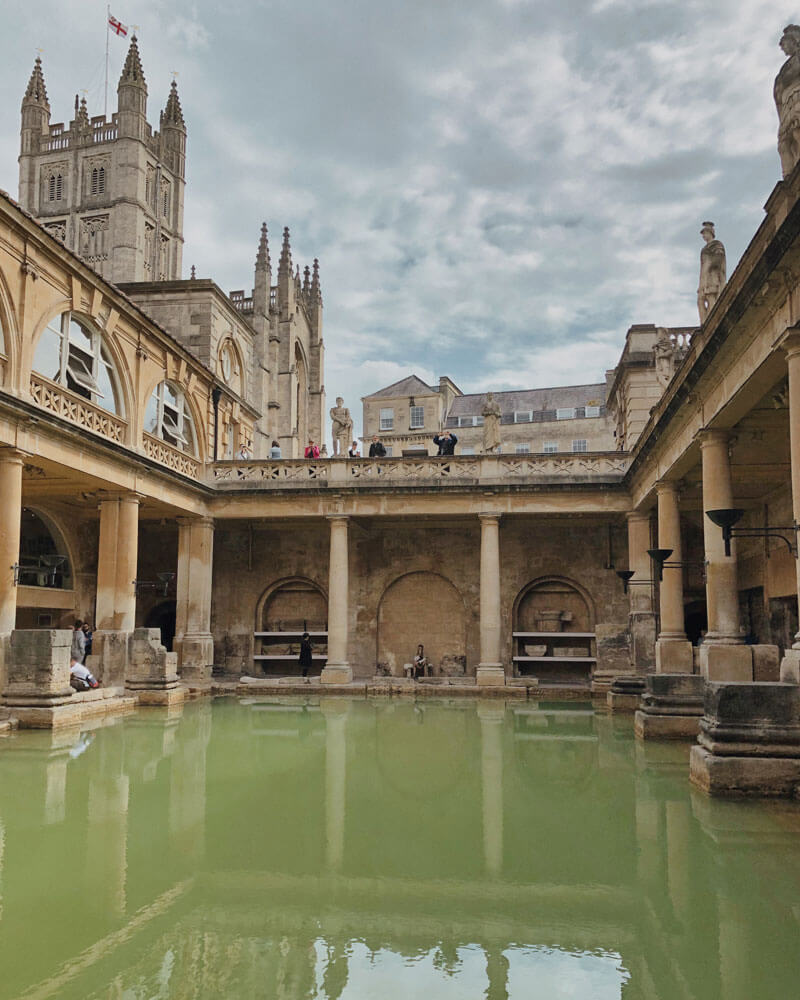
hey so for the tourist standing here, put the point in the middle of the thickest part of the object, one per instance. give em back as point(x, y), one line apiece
point(312, 451)
point(78, 647)
point(376, 449)
point(353, 451)
point(446, 442)
point(275, 451)
point(87, 635)
point(306, 659)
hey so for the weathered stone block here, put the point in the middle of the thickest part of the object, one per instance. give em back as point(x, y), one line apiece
point(671, 706)
point(766, 663)
point(150, 666)
point(739, 776)
point(38, 667)
point(625, 693)
point(490, 677)
point(790, 667)
point(674, 656)
point(726, 662)
point(453, 666)
point(613, 648)
point(642, 628)
point(751, 719)
point(336, 675)
point(109, 659)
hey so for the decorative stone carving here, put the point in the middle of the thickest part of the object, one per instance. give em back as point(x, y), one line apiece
point(712, 271)
point(664, 351)
point(787, 100)
point(491, 424)
point(342, 429)
point(93, 231)
point(57, 229)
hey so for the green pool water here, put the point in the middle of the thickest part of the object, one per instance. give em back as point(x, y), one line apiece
point(385, 849)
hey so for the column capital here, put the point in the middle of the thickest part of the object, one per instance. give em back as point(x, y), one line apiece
point(123, 496)
point(711, 436)
point(667, 487)
point(337, 517)
point(188, 520)
point(638, 515)
point(789, 341)
point(488, 516)
point(12, 456)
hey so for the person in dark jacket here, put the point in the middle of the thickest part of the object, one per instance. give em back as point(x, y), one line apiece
point(446, 442)
point(305, 655)
point(376, 449)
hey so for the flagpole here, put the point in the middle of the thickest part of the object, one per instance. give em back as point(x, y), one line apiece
point(105, 102)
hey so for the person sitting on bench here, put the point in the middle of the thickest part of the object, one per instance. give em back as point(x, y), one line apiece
point(422, 666)
point(80, 678)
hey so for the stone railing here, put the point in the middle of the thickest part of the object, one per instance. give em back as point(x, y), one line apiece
point(173, 458)
point(69, 405)
point(597, 467)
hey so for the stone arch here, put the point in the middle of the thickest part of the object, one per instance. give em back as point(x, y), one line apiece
point(292, 604)
point(37, 522)
point(8, 335)
point(538, 602)
point(420, 607)
point(301, 401)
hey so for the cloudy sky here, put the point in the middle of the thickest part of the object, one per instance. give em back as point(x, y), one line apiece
point(496, 189)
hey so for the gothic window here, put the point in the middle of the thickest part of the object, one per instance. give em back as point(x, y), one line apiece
point(98, 184)
point(55, 187)
point(165, 203)
point(72, 353)
point(167, 417)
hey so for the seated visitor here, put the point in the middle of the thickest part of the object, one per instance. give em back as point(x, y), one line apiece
point(80, 678)
point(422, 665)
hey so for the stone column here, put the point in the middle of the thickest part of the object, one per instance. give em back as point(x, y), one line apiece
point(642, 617)
point(723, 655)
point(790, 667)
point(337, 669)
point(490, 669)
point(11, 499)
point(115, 610)
point(194, 642)
point(673, 650)
point(492, 719)
point(335, 711)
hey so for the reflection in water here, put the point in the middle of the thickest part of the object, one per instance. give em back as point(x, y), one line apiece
point(352, 849)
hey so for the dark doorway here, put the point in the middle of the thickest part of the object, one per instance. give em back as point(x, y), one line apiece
point(163, 616)
point(695, 620)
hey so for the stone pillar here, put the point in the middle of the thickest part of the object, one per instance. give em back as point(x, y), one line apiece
point(723, 655)
point(11, 463)
point(492, 718)
point(337, 669)
point(335, 711)
point(490, 669)
point(673, 649)
point(38, 689)
point(115, 611)
point(790, 666)
point(194, 642)
point(152, 672)
point(642, 617)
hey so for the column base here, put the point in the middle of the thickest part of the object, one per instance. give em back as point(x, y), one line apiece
point(48, 716)
point(165, 696)
point(195, 655)
point(790, 667)
point(723, 661)
point(336, 673)
point(674, 656)
point(490, 675)
point(671, 707)
point(625, 693)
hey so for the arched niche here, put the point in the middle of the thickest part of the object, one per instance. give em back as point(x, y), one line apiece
point(420, 607)
point(295, 604)
point(554, 604)
point(44, 558)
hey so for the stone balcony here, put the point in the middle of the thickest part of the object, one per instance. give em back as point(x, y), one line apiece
point(592, 468)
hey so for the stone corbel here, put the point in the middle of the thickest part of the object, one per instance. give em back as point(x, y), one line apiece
point(28, 268)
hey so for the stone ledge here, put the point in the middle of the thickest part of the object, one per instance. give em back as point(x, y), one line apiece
point(768, 777)
point(665, 727)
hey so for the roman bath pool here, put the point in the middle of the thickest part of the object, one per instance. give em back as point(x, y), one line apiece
point(371, 850)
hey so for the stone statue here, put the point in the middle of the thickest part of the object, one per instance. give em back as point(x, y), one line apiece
point(491, 425)
point(712, 271)
point(787, 100)
point(342, 429)
point(664, 352)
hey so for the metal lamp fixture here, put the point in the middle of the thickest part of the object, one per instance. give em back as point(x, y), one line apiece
point(726, 517)
point(164, 580)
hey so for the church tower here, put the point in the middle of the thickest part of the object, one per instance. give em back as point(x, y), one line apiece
point(111, 191)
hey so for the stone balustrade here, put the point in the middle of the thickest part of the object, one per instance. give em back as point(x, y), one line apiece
point(173, 458)
point(595, 468)
point(70, 406)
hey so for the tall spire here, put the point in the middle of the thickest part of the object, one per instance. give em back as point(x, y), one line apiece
point(316, 291)
point(306, 280)
point(263, 263)
point(82, 115)
point(36, 92)
point(132, 72)
point(285, 264)
point(173, 114)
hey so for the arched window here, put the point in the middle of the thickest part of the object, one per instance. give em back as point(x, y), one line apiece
point(71, 352)
point(43, 557)
point(167, 417)
point(94, 181)
point(51, 188)
point(101, 180)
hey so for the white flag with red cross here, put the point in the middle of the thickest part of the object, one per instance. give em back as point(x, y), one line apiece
point(117, 26)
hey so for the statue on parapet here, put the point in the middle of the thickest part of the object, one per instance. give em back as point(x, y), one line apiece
point(491, 425)
point(342, 428)
point(787, 100)
point(712, 271)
